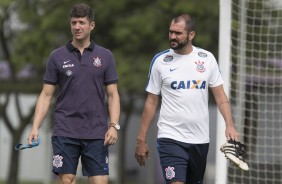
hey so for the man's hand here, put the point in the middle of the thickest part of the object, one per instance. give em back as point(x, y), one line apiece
point(141, 152)
point(33, 136)
point(111, 136)
point(232, 134)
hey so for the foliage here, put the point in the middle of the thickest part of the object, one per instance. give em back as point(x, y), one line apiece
point(134, 30)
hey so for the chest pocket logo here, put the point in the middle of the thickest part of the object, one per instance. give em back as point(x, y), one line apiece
point(97, 62)
point(200, 66)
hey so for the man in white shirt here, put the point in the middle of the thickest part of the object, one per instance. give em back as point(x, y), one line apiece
point(180, 77)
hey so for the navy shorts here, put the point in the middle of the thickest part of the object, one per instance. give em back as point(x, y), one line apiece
point(92, 152)
point(182, 162)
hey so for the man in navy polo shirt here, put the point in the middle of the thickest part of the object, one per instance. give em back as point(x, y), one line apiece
point(85, 74)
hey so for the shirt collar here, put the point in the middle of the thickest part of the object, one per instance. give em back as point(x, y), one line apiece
point(71, 48)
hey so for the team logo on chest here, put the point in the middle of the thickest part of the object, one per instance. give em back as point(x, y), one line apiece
point(168, 58)
point(202, 54)
point(200, 66)
point(97, 62)
point(68, 73)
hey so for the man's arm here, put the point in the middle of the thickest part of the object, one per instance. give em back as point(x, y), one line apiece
point(41, 109)
point(225, 109)
point(114, 112)
point(142, 151)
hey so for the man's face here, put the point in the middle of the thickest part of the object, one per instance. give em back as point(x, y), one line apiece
point(178, 36)
point(81, 28)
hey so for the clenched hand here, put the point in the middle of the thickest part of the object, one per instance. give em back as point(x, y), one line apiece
point(141, 152)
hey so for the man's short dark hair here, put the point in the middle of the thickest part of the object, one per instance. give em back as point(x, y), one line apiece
point(189, 21)
point(82, 10)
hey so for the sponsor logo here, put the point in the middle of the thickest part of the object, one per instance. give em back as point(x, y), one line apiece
point(190, 84)
point(68, 65)
point(57, 161)
point(97, 62)
point(169, 173)
point(200, 66)
point(65, 62)
point(168, 58)
point(202, 54)
point(172, 69)
point(68, 73)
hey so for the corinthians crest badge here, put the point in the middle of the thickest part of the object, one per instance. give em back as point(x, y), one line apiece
point(97, 62)
point(169, 172)
point(200, 66)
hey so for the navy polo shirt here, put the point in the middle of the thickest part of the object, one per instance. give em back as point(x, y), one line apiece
point(81, 110)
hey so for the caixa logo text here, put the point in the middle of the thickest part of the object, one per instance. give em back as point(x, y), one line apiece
point(190, 84)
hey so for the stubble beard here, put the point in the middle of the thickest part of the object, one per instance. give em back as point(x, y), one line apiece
point(179, 45)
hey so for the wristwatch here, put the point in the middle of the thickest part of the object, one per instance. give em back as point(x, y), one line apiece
point(115, 125)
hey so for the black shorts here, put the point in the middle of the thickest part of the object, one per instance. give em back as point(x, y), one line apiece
point(182, 162)
point(67, 151)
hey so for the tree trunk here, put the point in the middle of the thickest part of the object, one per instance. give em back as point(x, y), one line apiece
point(16, 134)
point(14, 161)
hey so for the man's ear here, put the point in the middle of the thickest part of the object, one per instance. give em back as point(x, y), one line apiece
point(192, 35)
point(92, 24)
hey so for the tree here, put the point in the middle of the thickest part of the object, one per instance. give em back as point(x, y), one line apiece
point(16, 56)
point(134, 30)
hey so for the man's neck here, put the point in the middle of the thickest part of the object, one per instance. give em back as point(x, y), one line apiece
point(184, 50)
point(81, 44)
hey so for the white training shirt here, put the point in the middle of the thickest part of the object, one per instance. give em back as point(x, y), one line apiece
point(183, 81)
